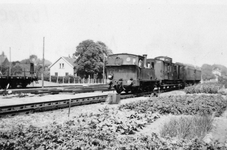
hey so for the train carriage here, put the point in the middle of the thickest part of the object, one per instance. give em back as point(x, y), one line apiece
point(193, 74)
point(198, 75)
point(163, 68)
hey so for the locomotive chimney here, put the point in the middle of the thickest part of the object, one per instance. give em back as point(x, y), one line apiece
point(145, 60)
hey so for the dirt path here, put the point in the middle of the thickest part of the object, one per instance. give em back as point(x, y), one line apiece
point(156, 126)
point(219, 131)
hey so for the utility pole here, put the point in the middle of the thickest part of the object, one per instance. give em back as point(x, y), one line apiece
point(9, 61)
point(103, 68)
point(43, 63)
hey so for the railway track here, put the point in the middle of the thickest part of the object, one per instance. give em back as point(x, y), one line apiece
point(70, 101)
point(56, 90)
point(31, 107)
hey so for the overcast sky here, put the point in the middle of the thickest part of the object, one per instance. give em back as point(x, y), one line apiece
point(193, 32)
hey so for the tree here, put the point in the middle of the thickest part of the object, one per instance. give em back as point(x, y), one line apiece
point(33, 58)
point(4, 64)
point(207, 72)
point(222, 68)
point(90, 58)
point(17, 69)
point(38, 63)
point(105, 48)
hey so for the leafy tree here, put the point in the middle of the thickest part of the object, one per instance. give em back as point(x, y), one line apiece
point(4, 64)
point(105, 48)
point(17, 69)
point(207, 72)
point(222, 68)
point(25, 61)
point(38, 63)
point(15, 63)
point(90, 58)
point(33, 58)
point(4, 69)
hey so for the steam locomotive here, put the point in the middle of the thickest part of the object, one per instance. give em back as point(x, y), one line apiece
point(135, 73)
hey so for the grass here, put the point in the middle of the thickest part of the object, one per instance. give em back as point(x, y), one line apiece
point(187, 127)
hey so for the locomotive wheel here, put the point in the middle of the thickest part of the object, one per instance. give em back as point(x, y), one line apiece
point(3, 86)
point(13, 85)
point(134, 90)
point(118, 91)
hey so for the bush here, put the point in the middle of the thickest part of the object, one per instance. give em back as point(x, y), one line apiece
point(222, 91)
point(86, 131)
point(223, 81)
point(181, 104)
point(187, 127)
point(93, 131)
point(211, 88)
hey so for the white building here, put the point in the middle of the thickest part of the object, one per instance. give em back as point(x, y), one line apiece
point(64, 66)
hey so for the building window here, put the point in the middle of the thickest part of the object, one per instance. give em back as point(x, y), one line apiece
point(61, 65)
point(56, 74)
point(149, 65)
point(66, 74)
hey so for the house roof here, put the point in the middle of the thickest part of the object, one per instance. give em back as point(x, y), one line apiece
point(2, 58)
point(69, 60)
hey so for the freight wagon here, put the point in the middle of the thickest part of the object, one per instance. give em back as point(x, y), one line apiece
point(22, 80)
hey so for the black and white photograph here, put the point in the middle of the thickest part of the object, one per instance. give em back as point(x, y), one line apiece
point(113, 75)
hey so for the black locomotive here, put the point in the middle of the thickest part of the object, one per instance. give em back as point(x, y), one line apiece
point(135, 73)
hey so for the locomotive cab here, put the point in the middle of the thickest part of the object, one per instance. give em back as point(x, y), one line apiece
point(126, 71)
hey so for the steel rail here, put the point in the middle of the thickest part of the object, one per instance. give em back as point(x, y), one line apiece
point(32, 107)
point(12, 110)
point(56, 90)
